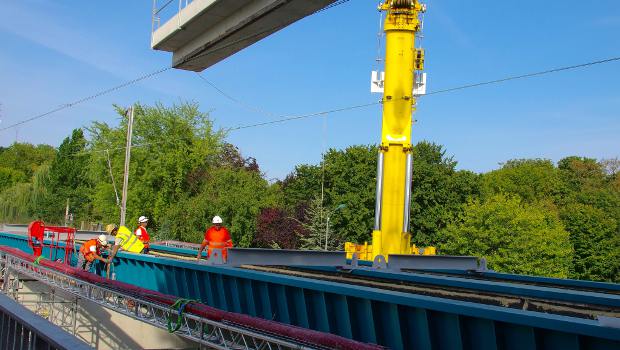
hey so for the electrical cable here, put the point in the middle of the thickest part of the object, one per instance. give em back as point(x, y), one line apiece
point(302, 116)
point(246, 126)
point(310, 115)
point(522, 76)
point(321, 113)
point(237, 101)
point(337, 3)
point(157, 72)
point(88, 98)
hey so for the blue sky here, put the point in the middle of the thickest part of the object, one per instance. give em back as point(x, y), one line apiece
point(54, 52)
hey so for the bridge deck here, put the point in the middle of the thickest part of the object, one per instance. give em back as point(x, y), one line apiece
point(392, 318)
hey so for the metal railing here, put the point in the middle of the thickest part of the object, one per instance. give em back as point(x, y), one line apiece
point(213, 334)
point(20, 329)
point(164, 10)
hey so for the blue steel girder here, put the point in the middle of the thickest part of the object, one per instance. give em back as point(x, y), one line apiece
point(534, 280)
point(394, 319)
point(524, 290)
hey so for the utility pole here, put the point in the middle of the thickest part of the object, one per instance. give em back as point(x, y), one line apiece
point(67, 213)
point(126, 170)
point(112, 177)
point(340, 206)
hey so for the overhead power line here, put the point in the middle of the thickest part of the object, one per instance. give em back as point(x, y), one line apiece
point(288, 118)
point(276, 28)
point(157, 72)
point(302, 116)
point(125, 84)
point(496, 81)
point(282, 119)
point(522, 76)
point(87, 98)
point(235, 100)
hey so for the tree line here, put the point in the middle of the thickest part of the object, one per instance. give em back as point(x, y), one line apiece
point(530, 216)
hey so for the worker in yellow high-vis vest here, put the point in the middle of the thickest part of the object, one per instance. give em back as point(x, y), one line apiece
point(124, 239)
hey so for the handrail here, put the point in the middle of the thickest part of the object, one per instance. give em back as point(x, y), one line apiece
point(156, 18)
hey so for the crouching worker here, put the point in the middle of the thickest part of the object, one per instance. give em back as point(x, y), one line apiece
point(91, 251)
point(125, 240)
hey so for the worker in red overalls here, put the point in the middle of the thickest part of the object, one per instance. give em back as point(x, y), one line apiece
point(143, 221)
point(217, 236)
point(91, 251)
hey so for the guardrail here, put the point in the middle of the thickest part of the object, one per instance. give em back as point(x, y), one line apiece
point(164, 10)
point(20, 329)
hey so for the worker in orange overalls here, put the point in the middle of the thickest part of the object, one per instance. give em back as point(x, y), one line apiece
point(217, 236)
point(143, 221)
point(91, 251)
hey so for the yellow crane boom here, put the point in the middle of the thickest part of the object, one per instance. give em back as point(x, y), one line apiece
point(394, 167)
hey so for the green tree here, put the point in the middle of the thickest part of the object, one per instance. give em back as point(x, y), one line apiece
point(10, 176)
point(237, 195)
point(348, 177)
point(596, 240)
point(350, 180)
point(301, 185)
point(438, 192)
point(591, 213)
point(531, 179)
point(315, 225)
point(514, 236)
point(67, 180)
point(26, 158)
point(580, 173)
point(173, 149)
point(15, 203)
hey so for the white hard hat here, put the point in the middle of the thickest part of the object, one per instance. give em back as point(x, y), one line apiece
point(143, 219)
point(217, 220)
point(102, 239)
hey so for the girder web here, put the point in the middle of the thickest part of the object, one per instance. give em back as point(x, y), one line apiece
point(212, 334)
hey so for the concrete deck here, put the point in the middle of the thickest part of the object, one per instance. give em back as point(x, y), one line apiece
point(207, 31)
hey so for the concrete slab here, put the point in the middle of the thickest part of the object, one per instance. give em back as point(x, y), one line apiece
point(208, 31)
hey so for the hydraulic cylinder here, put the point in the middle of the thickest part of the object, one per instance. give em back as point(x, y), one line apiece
point(391, 233)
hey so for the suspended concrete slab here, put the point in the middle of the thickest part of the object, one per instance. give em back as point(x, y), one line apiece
point(207, 31)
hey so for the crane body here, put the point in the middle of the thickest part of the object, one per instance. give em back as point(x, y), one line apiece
point(199, 37)
point(394, 170)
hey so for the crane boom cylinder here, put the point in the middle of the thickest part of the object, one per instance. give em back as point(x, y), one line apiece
point(408, 178)
point(379, 192)
point(402, 59)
